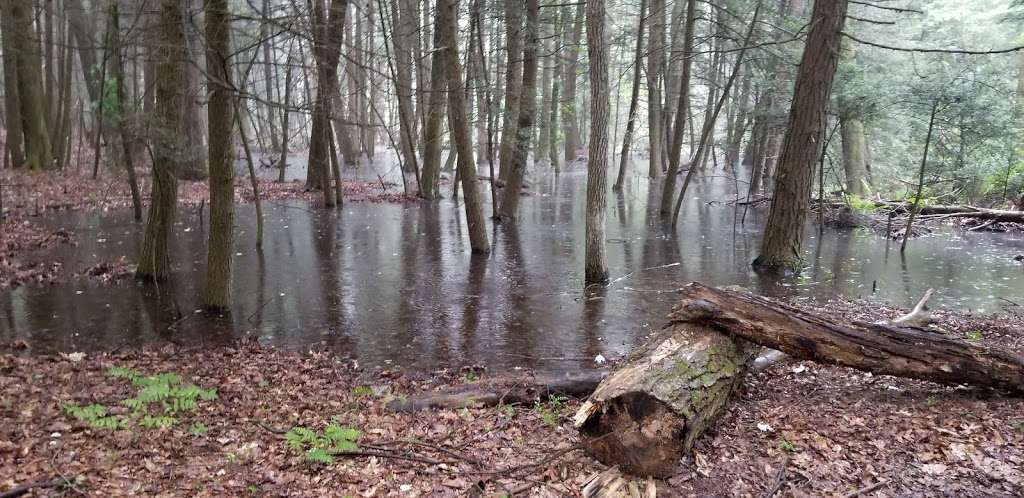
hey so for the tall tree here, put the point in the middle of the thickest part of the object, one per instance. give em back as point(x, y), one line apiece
point(655, 70)
point(327, 37)
point(570, 65)
point(801, 148)
point(12, 105)
point(513, 85)
point(634, 97)
point(216, 293)
point(596, 260)
point(682, 111)
point(435, 118)
point(38, 149)
point(527, 108)
point(168, 136)
point(475, 220)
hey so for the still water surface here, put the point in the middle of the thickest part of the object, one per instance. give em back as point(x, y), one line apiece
point(395, 285)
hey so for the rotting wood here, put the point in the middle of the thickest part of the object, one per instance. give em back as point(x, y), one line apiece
point(500, 390)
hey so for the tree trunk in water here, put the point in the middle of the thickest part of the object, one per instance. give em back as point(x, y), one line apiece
point(283, 164)
point(655, 70)
point(781, 245)
point(682, 110)
point(327, 39)
point(432, 132)
point(543, 149)
point(401, 39)
point(915, 207)
point(570, 64)
point(627, 137)
point(513, 87)
point(12, 104)
point(169, 138)
point(475, 220)
point(121, 112)
point(855, 154)
point(596, 264)
point(216, 294)
point(38, 149)
point(527, 107)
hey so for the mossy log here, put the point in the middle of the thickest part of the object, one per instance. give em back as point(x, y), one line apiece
point(648, 413)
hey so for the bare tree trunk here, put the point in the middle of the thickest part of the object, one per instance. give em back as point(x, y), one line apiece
point(513, 86)
point(682, 110)
point(596, 264)
point(627, 138)
point(855, 154)
point(920, 177)
point(435, 117)
point(783, 233)
point(216, 293)
point(38, 148)
point(195, 168)
point(542, 151)
point(327, 39)
point(655, 70)
point(475, 220)
point(122, 110)
point(570, 65)
point(12, 104)
point(283, 164)
point(168, 137)
point(527, 107)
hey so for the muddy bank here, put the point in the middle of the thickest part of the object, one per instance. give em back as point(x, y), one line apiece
point(832, 430)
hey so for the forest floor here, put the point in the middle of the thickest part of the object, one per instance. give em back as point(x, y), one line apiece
point(28, 195)
point(809, 429)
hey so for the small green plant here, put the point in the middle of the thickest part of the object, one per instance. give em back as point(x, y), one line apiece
point(1019, 426)
point(861, 205)
point(787, 446)
point(470, 377)
point(973, 336)
point(198, 429)
point(509, 411)
point(157, 400)
point(932, 400)
point(548, 412)
point(321, 447)
point(362, 391)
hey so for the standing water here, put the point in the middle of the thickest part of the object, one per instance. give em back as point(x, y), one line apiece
point(395, 284)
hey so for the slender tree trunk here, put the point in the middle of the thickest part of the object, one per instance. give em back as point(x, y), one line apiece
point(513, 86)
point(216, 293)
point(38, 148)
point(544, 107)
point(283, 164)
point(327, 40)
point(269, 74)
point(122, 109)
point(401, 39)
point(596, 264)
point(781, 245)
point(12, 104)
point(435, 116)
point(527, 108)
point(655, 70)
point(570, 65)
point(627, 138)
point(475, 220)
point(168, 137)
point(920, 177)
point(682, 110)
point(195, 127)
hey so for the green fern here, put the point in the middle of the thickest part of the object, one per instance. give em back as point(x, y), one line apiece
point(321, 448)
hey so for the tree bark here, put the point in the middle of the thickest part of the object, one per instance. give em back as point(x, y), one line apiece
point(513, 87)
point(121, 113)
point(38, 148)
point(327, 39)
point(783, 233)
point(682, 110)
point(216, 293)
point(627, 137)
point(435, 117)
point(570, 65)
point(655, 70)
point(475, 220)
point(168, 137)
point(880, 348)
point(12, 104)
point(527, 106)
point(596, 260)
point(855, 154)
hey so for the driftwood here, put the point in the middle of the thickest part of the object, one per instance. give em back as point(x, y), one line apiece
point(645, 415)
point(881, 348)
point(946, 211)
point(501, 390)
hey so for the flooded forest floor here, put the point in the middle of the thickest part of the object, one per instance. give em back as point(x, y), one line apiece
point(811, 430)
point(106, 423)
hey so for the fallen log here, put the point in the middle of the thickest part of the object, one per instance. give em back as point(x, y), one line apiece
point(880, 348)
point(645, 415)
point(944, 210)
point(500, 390)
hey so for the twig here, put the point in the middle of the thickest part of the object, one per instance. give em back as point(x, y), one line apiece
point(867, 489)
point(780, 479)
